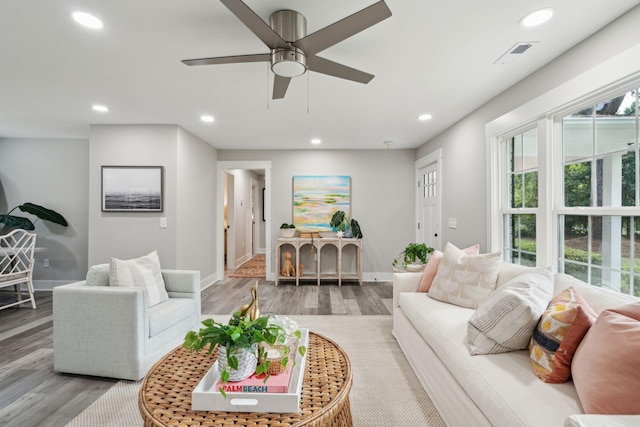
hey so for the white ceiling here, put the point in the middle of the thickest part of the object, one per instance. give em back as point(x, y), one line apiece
point(430, 57)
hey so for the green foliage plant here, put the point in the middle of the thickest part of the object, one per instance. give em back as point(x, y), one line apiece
point(240, 333)
point(285, 225)
point(412, 253)
point(340, 221)
point(41, 212)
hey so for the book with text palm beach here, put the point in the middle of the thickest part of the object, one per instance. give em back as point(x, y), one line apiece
point(255, 384)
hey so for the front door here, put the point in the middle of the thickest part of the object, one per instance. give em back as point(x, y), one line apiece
point(429, 205)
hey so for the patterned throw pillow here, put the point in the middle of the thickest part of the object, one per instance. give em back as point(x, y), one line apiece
point(506, 320)
point(558, 334)
point(465, 280)
point(143, 272)
point(431, 269)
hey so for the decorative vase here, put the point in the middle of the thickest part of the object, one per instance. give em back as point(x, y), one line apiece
point(415, 267)
point(247, 362)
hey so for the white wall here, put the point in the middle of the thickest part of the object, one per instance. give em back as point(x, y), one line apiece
point(189, 190)
point(196, 206)
point(464, 158)
point(52, 173)
point(381, 188)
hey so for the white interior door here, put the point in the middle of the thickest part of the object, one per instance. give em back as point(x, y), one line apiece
point(429, 205)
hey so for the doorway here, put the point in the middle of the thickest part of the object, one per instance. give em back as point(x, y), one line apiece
point(244, 213)
point(429, 199)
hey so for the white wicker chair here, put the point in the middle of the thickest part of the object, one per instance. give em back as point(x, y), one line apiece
point(16, 265)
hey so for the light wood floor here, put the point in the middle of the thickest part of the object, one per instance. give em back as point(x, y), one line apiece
point(32, 394)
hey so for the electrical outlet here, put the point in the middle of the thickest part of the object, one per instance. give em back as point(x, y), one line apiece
point(45, 263)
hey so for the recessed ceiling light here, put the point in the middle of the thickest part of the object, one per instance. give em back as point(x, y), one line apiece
point(100, 108)
point(207, 119)
point(537, 17)
point(424, 117)
point(87, 20)
point(316, 141)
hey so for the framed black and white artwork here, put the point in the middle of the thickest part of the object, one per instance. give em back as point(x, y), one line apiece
point(132, 188)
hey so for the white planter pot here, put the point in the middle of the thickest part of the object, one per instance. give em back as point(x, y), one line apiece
point(247, 362)
point(287, 232)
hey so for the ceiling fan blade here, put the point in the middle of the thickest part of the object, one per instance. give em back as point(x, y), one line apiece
point(280, 85)
point(255, 24)
point(343, 29)
point(324, 66)
point(258, 57)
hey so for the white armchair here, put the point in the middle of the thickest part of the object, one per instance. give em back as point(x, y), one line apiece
point(111, 331)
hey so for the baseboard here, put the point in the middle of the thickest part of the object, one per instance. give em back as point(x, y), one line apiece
point(48, 285)
point(208, 281)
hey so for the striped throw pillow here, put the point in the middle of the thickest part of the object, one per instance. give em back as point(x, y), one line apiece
point(505, 321)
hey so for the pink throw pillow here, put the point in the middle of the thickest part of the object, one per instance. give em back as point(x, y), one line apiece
point(431, 268)
point(605, 368)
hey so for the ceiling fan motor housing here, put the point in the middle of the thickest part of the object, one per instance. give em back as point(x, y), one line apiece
point(291, 26)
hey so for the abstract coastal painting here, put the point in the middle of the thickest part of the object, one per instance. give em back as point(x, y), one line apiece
point(132, 188)
point(317, 197)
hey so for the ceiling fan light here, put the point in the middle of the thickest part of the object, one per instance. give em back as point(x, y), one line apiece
point(289, 63)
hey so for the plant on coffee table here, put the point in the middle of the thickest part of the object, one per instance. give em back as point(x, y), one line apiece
point(241, 333)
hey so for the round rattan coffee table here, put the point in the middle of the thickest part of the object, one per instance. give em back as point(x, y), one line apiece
point(165, 394)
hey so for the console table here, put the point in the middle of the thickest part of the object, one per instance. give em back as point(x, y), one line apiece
point(297, 243)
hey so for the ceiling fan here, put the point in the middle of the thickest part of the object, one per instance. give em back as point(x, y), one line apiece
point(293, 52)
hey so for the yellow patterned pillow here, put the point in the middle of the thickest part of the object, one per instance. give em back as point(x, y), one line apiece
point(558, 334)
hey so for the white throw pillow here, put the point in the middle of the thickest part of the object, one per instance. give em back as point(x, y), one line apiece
point(143, 272)
point(507, 319)
point(463, 279)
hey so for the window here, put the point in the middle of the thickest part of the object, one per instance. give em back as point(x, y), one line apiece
point(520, 197)
point(598, 224)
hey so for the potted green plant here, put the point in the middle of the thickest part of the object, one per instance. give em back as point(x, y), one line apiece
point(241, 345)
point(287, 230)
point(13, 221)
point(340, 221)
point(414, 254)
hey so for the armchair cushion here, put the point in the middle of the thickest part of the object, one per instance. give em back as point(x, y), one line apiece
point(143, 272)
point(166, 314)
point(98, 275)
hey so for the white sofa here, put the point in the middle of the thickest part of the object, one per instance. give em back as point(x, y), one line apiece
point(111, 331)
point(488, 390)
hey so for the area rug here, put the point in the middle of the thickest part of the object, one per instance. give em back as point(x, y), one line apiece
point(255, 267)
point(385, 390)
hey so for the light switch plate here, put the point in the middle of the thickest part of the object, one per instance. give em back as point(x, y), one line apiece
point(453, 223)
point(163, 222)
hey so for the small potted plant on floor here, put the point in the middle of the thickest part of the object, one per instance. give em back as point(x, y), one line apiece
point(413, 257)
point(241, 345)
point(287, 230)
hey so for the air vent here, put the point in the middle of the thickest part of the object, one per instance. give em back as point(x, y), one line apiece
point(514, 52)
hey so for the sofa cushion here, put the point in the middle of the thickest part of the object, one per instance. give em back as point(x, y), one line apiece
point(169, 313)
point(505, 321)
point(501, 385)
point(143, 272)
point(98, 275)
point(465, 280)
point(558, 334)
point(604, 368)
point(431, 269)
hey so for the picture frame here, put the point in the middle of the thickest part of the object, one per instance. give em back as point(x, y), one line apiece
point(317, 197)
point(132, 188)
